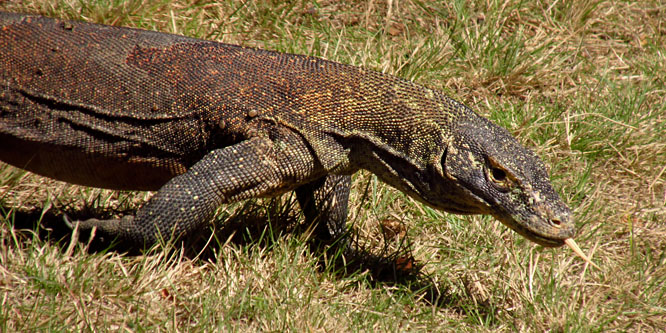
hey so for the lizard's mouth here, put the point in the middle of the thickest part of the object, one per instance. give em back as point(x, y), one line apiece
point(543, 241)
point(553, 237)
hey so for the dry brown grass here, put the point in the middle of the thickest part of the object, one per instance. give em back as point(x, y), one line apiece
point(581, 82)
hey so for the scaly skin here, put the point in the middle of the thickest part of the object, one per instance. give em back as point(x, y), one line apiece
point(207, 123)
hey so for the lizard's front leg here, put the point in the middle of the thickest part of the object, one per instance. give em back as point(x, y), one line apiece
point(324, 204)
point(248, 169)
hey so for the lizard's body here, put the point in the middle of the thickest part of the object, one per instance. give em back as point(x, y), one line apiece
point(207, 123)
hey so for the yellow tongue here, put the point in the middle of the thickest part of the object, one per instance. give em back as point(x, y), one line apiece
point(570, 243)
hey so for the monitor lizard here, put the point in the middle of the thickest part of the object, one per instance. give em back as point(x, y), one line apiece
point(205, 123)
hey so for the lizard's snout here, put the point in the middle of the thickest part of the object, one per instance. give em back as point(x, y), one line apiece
point(561, 220)
point(550, 226)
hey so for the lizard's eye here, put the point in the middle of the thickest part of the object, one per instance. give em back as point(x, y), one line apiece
point(498, 177)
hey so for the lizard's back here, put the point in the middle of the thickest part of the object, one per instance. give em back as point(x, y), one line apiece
point(129, 109)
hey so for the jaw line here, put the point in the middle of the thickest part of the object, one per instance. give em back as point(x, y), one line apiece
point(518, 228)
point(547, 242)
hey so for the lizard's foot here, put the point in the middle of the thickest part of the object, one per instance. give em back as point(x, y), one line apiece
point(108, 234)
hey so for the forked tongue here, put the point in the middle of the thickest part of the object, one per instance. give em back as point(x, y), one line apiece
point(570, 243)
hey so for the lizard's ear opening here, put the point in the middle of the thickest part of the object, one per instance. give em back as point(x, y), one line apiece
point(457, 157)
point(464, 162)
point(448, 163)
point(442, 165)
point(456, 163)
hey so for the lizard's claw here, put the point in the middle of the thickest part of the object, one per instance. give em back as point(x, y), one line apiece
point(67, 221)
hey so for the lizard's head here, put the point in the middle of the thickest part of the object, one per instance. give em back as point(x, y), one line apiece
point(498, 176)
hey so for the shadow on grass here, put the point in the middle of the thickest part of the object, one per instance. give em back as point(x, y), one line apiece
point(254, 224)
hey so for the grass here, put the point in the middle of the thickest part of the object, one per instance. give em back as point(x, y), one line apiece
point(580, 82)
